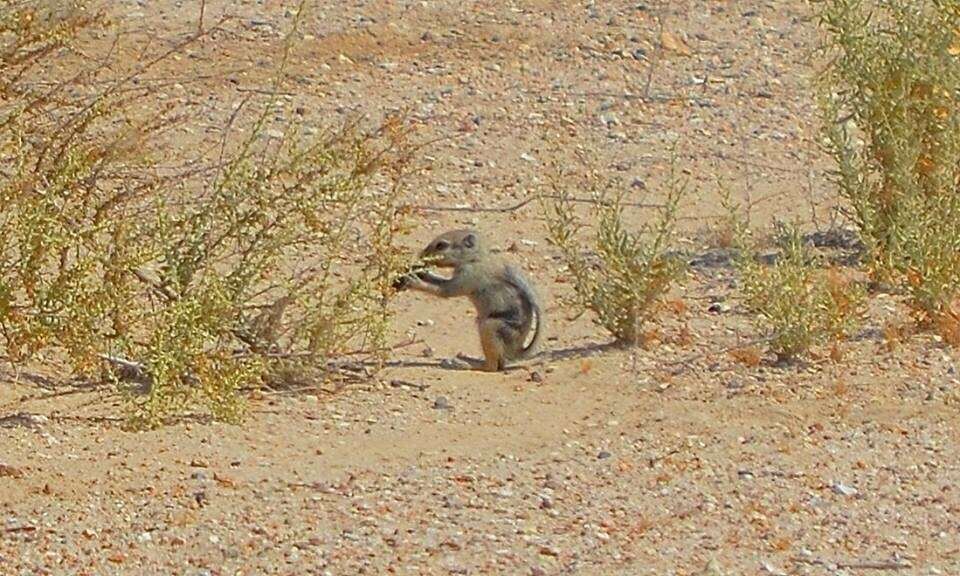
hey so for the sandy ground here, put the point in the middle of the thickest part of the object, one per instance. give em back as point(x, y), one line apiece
point(674, 459)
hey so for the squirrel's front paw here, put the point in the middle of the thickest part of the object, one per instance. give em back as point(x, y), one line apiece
point(405, 281)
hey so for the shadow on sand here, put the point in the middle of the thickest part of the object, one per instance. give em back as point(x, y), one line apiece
point(582, 351)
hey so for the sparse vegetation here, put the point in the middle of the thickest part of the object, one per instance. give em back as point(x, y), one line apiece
point(797, 304)
point(627, 274)
point(892, 116)
point(692, 452)
point(194, 286)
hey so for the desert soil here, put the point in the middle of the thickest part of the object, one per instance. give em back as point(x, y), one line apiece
point(672, 459)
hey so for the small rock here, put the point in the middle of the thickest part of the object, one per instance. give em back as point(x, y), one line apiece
point(397, 383)
point(24, 419)
point(550, 551)
point(719, 308)
point(441, 403)
point(609, 119)
point(536, 376)
point(712, 568)
point(452, 502)
point(674, 43)
point(844, 490)
point(603, 455)
point(771, 569)
point(454, 364)
point(834, 237)
point(8, 471)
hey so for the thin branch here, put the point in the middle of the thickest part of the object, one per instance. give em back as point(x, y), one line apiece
point(656, 60)
point(128, 369)
point(521, 204)
point(266, 92)
point(856, 565)
point(70, 125)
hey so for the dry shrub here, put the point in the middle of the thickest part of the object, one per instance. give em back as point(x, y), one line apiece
point(287, 258)
point(684, 337)
point(192, 287)
point(840, 387)
point(625, 275)
point(750, 356)
point(890, 104)
point(894, 332)
point(947, 324)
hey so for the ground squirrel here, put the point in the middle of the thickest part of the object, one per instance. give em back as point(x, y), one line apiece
point(506, 303)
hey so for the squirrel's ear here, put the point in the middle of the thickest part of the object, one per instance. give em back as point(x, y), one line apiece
point(470, 240)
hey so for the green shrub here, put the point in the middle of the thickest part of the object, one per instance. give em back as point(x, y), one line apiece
point(890, 104)
point(796, 303)
point(625, 274)
point(194, 287)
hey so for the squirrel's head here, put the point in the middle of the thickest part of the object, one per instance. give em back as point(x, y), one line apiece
point(453, 248)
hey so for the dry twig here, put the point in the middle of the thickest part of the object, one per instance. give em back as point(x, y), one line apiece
point(891, 564)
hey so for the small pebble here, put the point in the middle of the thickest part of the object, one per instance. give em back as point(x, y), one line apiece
point(844, 490)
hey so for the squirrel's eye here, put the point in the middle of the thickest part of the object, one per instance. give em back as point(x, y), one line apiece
point(441, 245)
